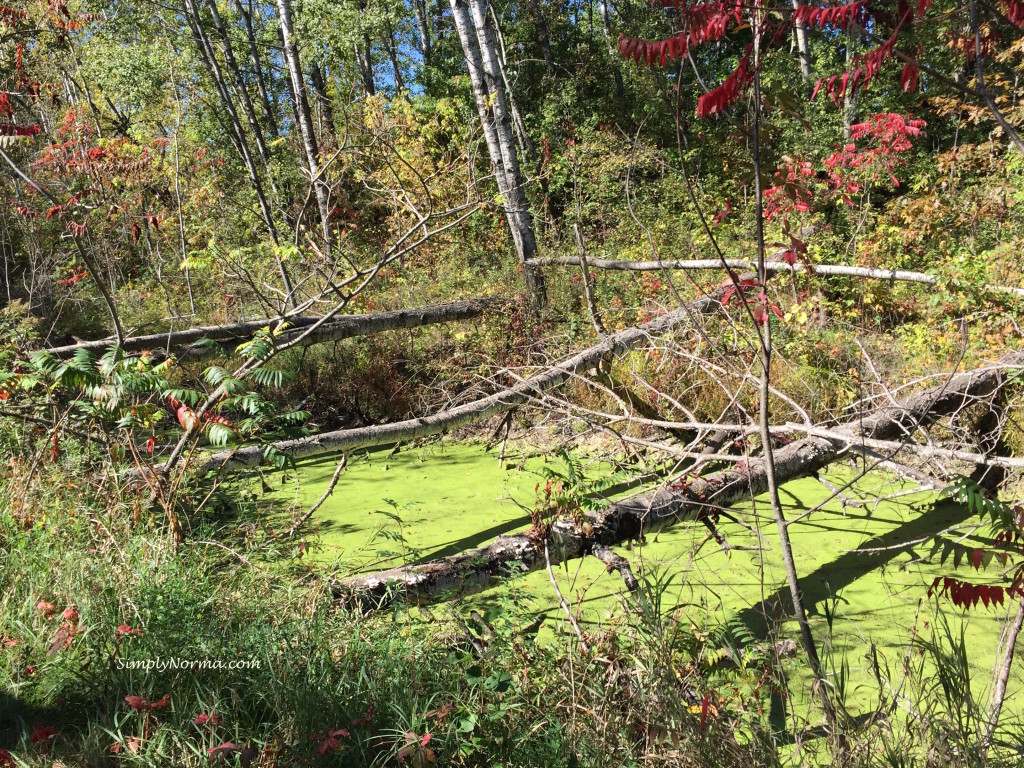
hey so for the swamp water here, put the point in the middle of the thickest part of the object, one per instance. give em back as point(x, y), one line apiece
point(425, 502)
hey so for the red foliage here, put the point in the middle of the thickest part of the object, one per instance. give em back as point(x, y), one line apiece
point(328, 742)
point(891, 133)
point(716, 100)
point(964, 594)
point(866, 66)
point(708, 21)
point(704, 22)
point(140, 704)
point(735, 289)
point(126, 630)
point(7, 129)
point(723, 214)
point(46, 609)
point(908, 79)
point(1014, 10)
point(41, 734)
point(790, 190)
point(74, 277)
point(838, 16)
point(11, 15)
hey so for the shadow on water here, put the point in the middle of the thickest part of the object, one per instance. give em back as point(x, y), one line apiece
point(469, 542)
point(832, 577)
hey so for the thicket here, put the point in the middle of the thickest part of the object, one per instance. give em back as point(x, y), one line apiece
point(157, 173)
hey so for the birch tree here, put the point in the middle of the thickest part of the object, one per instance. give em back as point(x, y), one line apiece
point(480, 50)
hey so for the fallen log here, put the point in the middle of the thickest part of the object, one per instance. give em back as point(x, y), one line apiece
point(477, 410)
point(689, 499)
point(830, 270)
point(186, 344)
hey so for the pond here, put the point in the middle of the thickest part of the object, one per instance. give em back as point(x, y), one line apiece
point(860, 557)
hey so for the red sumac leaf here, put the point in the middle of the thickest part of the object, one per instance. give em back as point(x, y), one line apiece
point(1014, 11)
point(908, 79)
point(704, 706)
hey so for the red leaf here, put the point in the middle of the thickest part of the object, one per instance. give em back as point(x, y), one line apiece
point(125, 630)
point(978, 553)
point(791, 257)
point(908, 80)
point(221, 751)
point(718, 99)
point(1014, 10)
point(723, 214)
point(46, 609)
point(41, 733)
point(704, 706)
point(6, 129)
point(140, 704)
point(187, 418)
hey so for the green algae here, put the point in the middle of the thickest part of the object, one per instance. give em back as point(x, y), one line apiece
point(859, 555)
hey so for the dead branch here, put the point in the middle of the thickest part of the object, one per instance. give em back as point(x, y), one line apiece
point(830, 270)
point(185, 344)
point(685, 500)
point(472, 412)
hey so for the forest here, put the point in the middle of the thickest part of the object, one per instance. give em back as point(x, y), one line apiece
point(511, 383)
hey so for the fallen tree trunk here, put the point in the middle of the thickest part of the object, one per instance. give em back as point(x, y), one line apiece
point(185, 344)
point(693, 499)
point(477, 410)
point(831, 270)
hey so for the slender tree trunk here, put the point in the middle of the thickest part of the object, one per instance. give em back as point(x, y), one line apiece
point(235, 124)
point(324, 100)
point(305, 120)
point(999, 692)
point(764, 416)
point(606, 27)
point(389, 47)
point(420, 6)
point(364, 57)
point(543, 38)
point(519, 125)
point(849, 98)
point(802, 48)
point(257, 67)
point(481, 57)
point(241, 90)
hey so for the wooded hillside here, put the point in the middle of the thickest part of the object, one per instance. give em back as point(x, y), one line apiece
point(712, 247)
